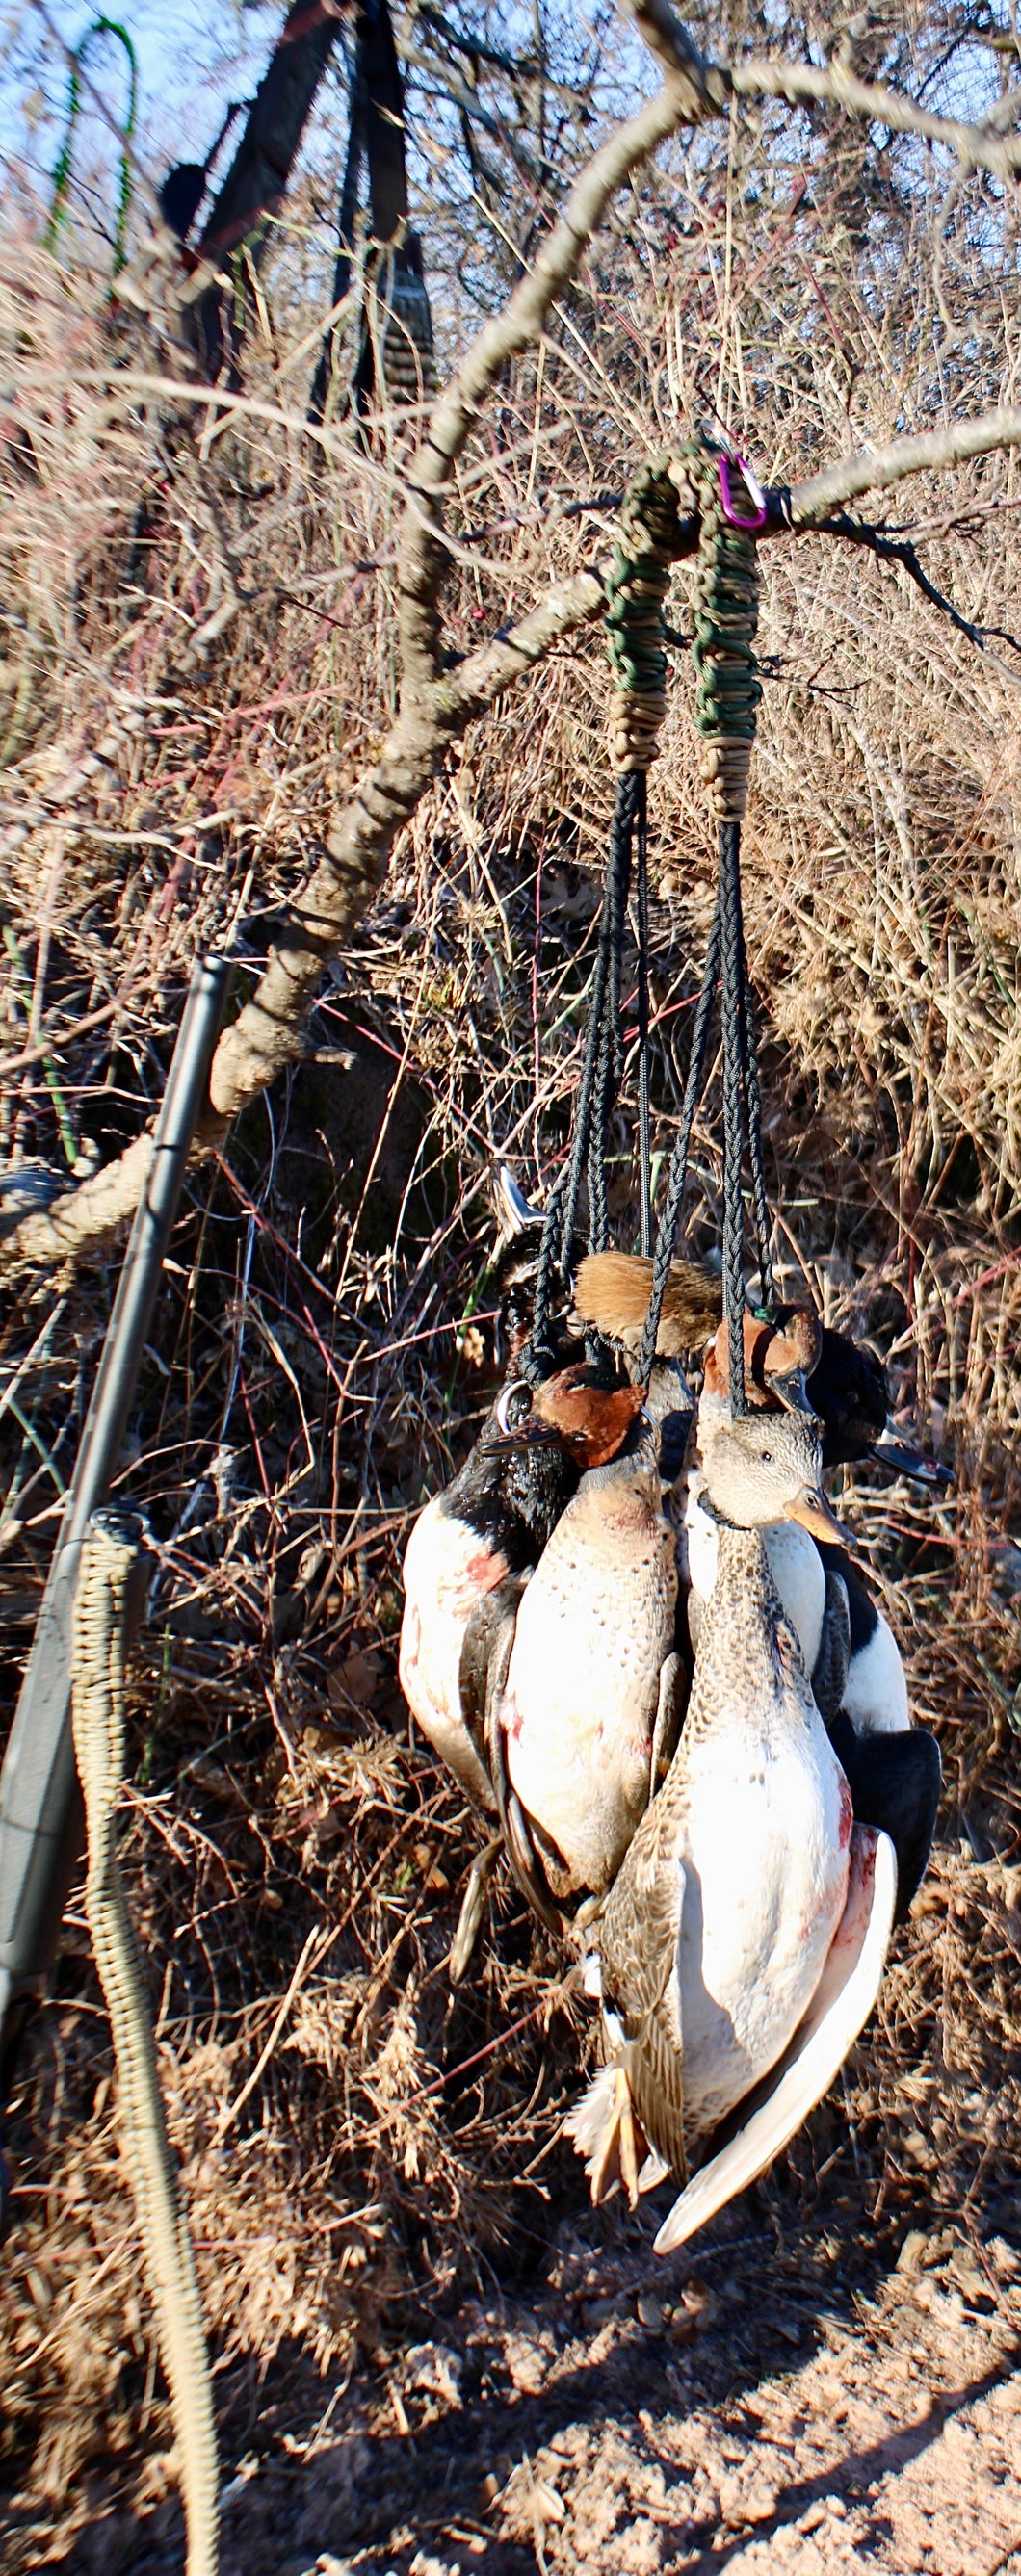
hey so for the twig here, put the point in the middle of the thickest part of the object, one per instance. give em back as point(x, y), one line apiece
point(900, 550)
point(320, 1939)
point(874, 469)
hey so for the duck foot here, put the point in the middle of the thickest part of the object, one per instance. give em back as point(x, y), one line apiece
point(473, 1906)
point(607, 2131)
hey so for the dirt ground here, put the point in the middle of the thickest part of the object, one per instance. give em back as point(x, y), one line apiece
point(768, 2401)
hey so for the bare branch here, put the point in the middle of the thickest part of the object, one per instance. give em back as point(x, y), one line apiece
point(268, 1034)
point(891, 549)
point(421, 554)
point(85, 1217)
point(934, 451)
point(977, 147)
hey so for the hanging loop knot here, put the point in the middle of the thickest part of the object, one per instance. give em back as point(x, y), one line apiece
point(649, 543)
point(732, 512)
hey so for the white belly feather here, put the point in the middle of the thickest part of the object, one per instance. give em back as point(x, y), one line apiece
point(760, 1907)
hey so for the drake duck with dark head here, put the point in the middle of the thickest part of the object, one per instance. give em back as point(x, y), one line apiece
point(716, 1936)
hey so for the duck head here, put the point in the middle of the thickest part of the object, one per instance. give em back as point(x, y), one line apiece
point(588, 1411)
point(765, 1467)
point(850, 1391)
point(779, 1359)
point(612, 1291)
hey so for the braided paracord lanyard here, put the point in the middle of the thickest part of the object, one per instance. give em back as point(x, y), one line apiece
point(62, 173)
point(731, 516)
point(649, 543)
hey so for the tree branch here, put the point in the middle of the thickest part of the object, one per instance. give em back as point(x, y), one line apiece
point(976, 147)
point(933, 451)
point(900, 550)
point(421, 554)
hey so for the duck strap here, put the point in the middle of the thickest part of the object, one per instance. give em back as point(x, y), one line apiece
point(649, 542)
point(726, 618)
point(732, 515)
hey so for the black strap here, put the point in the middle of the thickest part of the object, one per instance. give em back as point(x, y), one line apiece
point(677, 1175)
point(601, 1072)
point(726, 964)
point(734, 1026)
point(644, 1122)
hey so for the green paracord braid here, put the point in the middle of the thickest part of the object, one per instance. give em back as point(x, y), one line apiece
point(62, 173)
point(726, 617)
point(649, 543)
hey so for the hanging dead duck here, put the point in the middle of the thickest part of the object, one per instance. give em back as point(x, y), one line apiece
point(846, 1384)
point(715, 1937)
point(473, 1546)
point(583, 1684)
point(851, 1655)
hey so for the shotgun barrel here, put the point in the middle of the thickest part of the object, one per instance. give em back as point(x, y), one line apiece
point(41, 1824)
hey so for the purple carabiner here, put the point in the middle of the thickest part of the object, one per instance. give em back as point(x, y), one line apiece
point(752, 526)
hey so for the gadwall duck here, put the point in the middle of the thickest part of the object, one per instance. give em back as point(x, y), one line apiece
point(715, 1936)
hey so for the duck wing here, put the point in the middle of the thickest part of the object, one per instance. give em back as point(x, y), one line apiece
point(842, 2002)
point(607, 2125)
point(525, 1864)
point(829, 1671)
point(638, 1940)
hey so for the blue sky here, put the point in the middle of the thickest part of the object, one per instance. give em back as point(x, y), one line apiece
point(193, 55)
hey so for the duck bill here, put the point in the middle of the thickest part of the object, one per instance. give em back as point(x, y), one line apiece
point(533, 1434)
point(812, 1512)
point(791, 1391)
point(900, 1459)
point(512, 1206)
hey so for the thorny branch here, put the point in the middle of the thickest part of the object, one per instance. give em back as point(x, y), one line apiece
point(436, 707)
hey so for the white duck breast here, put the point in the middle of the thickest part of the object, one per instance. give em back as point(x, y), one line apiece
point(764, 1849)
point(578, 1712)
point(448, 1569)
point(842, 2002)
point(875, 1692)
point(716, 1932)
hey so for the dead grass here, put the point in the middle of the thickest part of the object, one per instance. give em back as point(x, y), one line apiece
point(200, 650)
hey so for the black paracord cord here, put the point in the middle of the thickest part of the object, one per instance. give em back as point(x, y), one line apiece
point(753, 1120)
point(732, 1016)
point(591, 1088)
point(537, 1359)
point(678, 1173)
point(602, 1066)
point(610, 1068)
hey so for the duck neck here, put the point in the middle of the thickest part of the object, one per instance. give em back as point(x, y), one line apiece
point(744, 1577)
point(739, 1549)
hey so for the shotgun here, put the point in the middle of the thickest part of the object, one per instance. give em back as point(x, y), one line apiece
point(41, 1818)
